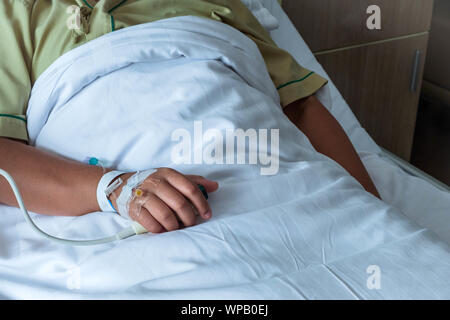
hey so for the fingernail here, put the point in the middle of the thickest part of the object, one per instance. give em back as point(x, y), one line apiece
point(208, 215)
point(203, 190)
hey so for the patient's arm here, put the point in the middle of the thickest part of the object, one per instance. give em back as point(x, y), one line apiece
point(328, 137)
point(56, 186)
point(49, 184)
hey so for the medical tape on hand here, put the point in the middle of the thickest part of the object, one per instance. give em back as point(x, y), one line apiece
point(127, 191)
point(104, 189)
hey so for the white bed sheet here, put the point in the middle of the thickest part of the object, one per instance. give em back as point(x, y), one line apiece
point(412, 195)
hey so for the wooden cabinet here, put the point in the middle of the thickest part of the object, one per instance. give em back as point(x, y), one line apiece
point(378, 72)
point(376, 82)
point(327, 24)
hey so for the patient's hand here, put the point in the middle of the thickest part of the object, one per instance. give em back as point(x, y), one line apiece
point(168, 198)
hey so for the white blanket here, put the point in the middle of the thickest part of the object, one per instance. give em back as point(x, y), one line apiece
point(308, 231)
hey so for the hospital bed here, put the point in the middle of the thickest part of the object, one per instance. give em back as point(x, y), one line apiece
point(423, 200)
point(284, 36)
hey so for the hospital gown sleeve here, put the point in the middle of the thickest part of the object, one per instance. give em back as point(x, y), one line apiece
point(15, 65)
point(292, 81)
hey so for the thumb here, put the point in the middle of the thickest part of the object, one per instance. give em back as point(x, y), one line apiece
point(209, 185)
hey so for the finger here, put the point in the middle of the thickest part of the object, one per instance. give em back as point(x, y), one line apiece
point(162, 213)
point(145, 219)
point(209, 185)
point(191, 191)
point(177, 202)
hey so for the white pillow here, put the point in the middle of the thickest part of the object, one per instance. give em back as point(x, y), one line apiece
point(265, 18)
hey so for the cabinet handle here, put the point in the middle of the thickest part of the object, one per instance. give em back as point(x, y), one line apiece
point(415, 72)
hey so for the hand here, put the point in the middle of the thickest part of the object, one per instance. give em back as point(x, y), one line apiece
point(168, 198)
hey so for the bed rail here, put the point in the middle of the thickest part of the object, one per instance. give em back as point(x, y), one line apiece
point(412, 170)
